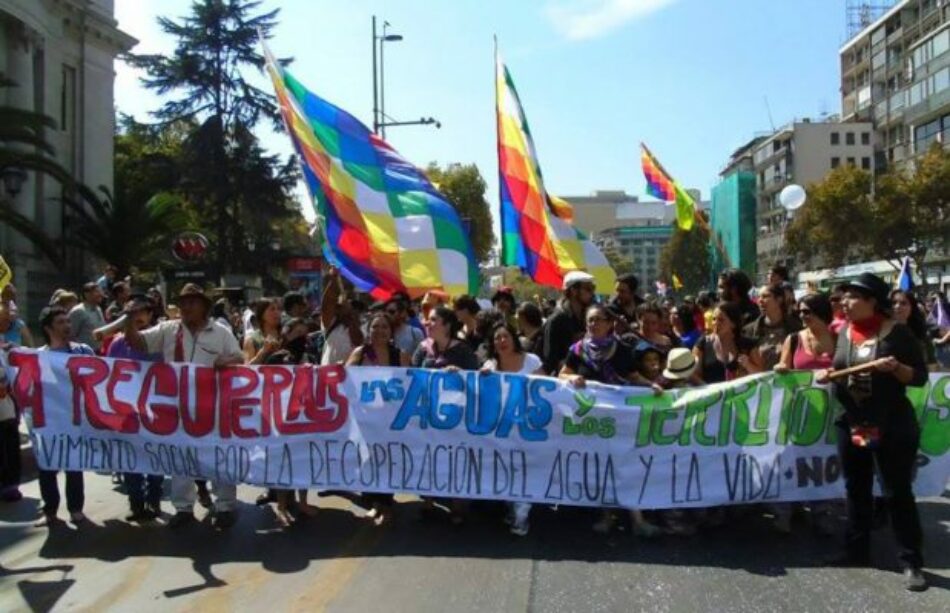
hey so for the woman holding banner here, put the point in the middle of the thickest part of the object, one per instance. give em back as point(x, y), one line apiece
point(875, 360)
point(723, 354)
point(601, 357)
point(505, 354)
point(379, 350)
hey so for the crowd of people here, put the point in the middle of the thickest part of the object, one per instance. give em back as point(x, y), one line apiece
point(629, 339)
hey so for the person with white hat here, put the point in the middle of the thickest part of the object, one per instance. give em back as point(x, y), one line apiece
point(567, 324)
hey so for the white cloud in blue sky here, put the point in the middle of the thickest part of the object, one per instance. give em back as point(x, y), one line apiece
point(587, 19)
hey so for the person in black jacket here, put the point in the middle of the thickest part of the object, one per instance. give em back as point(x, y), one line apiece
point(567, 325)
point(878, 425)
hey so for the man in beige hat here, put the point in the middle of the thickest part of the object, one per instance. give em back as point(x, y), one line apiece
point(194, 339)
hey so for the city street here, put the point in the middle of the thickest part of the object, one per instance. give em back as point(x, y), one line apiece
point(340, 562)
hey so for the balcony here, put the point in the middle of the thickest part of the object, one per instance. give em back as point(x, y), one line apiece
point(930, 105)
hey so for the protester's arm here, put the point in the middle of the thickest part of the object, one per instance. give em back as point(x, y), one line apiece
point(907, 363)
point(785, 363)
point(231, 354)
point(27, 336)
point(252, 356)
point(697, 377)
point(751, 363)
point(567, 373)
point(404, 359)
point(355, 358)
point(136, 339)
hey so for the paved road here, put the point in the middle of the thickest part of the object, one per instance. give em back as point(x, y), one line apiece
point(340, 562)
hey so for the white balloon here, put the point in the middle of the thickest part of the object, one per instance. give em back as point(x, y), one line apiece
point(792, 197)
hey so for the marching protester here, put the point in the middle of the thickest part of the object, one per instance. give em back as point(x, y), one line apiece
point(504, 300)
point(219, 314)
point(878, 430)
point(87, 316)
point(56, 326)
point(734, 287)
point(625, 296)
point(338, 321)
point(907, 311)
point(838, 320)
point(65, 299)
point(444, 349)
point(506, 354)
point(120, 295)
point(466, 309)
point(566, 325)
point(406, 336)
point(939, 320)
point(530, 323)
point(770, 329)
point(683, 324)
point(379, 350)
point(265, 339)
point(599, 356)
point(13, 331)
point(723, 353)
point(144, 491)
point(197, 340)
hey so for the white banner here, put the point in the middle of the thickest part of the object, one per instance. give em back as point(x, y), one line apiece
point(461, 435)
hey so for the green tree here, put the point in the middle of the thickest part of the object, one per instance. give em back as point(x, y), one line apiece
point(465, 188)
point(908, 214)
point(215, 42)
point(836, 218)
point(687, 256)
point(621, 265)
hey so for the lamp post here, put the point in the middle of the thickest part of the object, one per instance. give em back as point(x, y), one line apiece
point(380, 119)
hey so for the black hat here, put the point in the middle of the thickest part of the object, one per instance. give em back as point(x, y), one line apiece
point(868, 283)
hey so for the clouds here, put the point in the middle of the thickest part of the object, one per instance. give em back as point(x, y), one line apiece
point(588, 19)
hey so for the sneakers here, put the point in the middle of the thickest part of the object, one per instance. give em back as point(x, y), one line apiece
point(914, 580)
point(224, 519)
point(181, 518)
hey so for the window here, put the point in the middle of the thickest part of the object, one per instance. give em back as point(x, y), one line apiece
point(850, 161)
point(835, 138)
point(865, 138)
point(866, 163)
point(849, 138)
point(835, 162)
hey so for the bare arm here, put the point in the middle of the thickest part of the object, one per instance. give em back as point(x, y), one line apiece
point(330, 299)
point(697, 377)
point(356, 357)
point(567, 373)
point(785, 361)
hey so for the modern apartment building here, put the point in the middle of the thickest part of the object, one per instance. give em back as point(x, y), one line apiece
point(895, 73)
point(60, 55)
point(733, 219)
point(637, 229)
point(801, 152)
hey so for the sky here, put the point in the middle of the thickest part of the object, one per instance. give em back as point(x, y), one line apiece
point(694, 79)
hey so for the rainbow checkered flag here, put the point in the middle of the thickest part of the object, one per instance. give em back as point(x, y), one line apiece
point(661, 185)
point(537, 231)
point(385, 226)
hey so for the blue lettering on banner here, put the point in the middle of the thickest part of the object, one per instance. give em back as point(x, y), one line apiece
point(494, 403)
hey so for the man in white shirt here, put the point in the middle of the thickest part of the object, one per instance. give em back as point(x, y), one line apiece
point(87, 316)
point(194, 339)
point(405, 337)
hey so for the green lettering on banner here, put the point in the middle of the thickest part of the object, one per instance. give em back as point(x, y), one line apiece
point(743, 433)
point(648, 405)
point(695, 421)
point(935, 420)
point(809, 416)
point(791, 382)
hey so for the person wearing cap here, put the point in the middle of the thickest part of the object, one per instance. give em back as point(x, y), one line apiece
point(87, 316)
point(194, 339)
point(878, 432)
point(567, 324)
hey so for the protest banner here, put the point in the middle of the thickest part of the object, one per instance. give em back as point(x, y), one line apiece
point(455, 434)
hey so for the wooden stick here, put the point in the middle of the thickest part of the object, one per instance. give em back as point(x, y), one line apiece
point(844, 372)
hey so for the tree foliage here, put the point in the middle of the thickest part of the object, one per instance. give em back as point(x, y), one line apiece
point(465, 188)
point(230, 180)
point(687, 256)
point(621, 265)
point(908, 214)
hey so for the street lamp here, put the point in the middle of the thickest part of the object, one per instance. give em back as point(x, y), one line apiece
point(380, 118)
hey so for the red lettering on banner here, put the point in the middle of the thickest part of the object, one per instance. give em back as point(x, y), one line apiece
point(329, 378)
point(236, 400)
point(27, 388)
point(204, 407)
point(84, 387)
point(277, 379)
point(123, 418)
point(165, 420)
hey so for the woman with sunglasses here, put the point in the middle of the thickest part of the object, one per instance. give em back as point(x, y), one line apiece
point(878, 431)
point(601, 357)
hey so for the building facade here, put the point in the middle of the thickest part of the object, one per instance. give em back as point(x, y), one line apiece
point(60, 55)
point(637, 229)
point(802, 152)
point(733, 219)
point(895, 73)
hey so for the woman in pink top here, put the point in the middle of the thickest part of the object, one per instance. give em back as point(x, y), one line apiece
point(813, 347)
